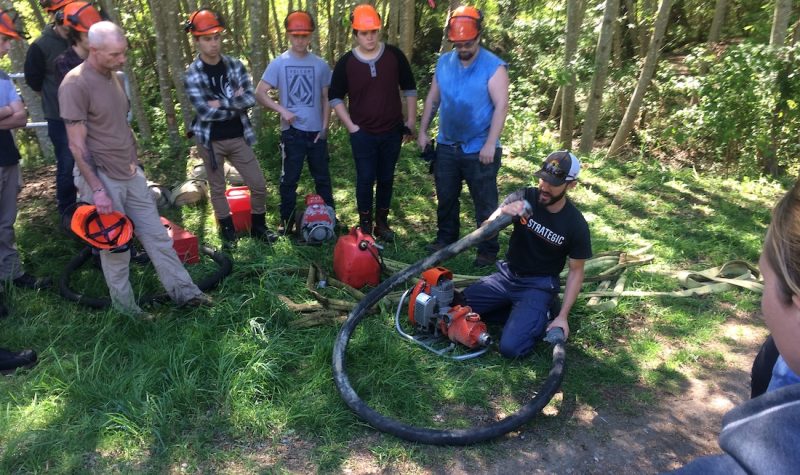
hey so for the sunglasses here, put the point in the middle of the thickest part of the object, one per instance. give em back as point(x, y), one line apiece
point(464, 44)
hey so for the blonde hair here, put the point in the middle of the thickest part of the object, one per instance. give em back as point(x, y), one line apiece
point(782, 244)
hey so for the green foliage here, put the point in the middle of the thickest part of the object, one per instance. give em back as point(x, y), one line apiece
point(746, 108)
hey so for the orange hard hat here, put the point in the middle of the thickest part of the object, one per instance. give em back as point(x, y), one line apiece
point(8, 26)
point(365, 18)
point(465, 24)
point(54, 5)
point(111, 231)
point(204, 22)
point(299, 23)
point(79, 16)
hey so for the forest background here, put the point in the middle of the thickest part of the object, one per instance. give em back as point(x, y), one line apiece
point(685, 114)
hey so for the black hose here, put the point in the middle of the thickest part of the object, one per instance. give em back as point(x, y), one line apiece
point(222, 260)
point(422, 434)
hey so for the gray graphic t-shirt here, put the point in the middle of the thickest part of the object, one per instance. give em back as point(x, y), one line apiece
point(299, 82)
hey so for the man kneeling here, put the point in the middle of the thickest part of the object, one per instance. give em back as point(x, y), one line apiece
point(548, 228)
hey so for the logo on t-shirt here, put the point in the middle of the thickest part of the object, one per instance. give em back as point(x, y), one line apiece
point(301, 85)
point(543, 232)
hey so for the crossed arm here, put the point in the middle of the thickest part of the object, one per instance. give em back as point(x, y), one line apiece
point(13, 116)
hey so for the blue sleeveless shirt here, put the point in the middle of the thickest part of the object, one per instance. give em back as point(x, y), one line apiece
point(465, 106)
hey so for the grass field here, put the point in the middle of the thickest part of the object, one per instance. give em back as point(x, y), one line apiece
point(193, 389)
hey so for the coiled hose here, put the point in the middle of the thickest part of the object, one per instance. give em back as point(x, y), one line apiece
point(423, 434)
point(209, 282)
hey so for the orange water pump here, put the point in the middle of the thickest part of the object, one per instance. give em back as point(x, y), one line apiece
point(432, 316)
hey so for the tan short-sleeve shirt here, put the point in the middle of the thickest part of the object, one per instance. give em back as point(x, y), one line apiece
point(100, 101)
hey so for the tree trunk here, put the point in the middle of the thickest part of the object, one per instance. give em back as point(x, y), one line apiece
point(258, 58)
point(313, 9)
point(555, 109)
point(391, 21)
point(574, 20)
point(720, 9)
point(171, 18)
point(648, 69)
point(445, 42)
point(277, 23)
point(37, 13)
point(162, 67)
point(33, 102)
point(407, 28)
point(632, 26)
point(780, 22)
point(644, 15)
point(602, 56)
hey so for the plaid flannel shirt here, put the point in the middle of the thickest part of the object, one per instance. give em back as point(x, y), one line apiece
point(199, 91)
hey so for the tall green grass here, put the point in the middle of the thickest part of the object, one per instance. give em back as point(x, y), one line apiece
point(203, 387)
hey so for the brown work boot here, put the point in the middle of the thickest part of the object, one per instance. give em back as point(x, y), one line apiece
point(365, 221)
point(484, 260)
point(382, 229)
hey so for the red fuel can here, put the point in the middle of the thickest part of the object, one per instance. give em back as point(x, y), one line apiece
point(356, 259)
point(239, 201)
point(184, 242)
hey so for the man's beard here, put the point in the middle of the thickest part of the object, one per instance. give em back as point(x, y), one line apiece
point(553, 198)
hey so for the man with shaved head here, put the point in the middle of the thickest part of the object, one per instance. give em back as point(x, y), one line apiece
point(94, 107)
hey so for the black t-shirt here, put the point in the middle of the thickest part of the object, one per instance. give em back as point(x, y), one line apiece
point(9, 155)
point(540, 244)
point(221, 87)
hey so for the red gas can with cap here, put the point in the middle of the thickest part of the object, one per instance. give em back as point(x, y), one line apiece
point(184, 242)
point(356, 259)
point(239, 201)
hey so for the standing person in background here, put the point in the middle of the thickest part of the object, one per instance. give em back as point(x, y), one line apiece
point(470, 91)
point(221, 91)
point(42, 77)
point(302, 79)
point(94, 106)
point(12, 116)
point(77, 18)
point(372, 75)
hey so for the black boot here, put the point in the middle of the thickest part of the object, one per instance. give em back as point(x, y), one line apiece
point(365, 221)
point(10, 361)
point(259, 230)
point(382, 229)
point(226, 230)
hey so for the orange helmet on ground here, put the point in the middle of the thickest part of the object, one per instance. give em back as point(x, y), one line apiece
point(54, 5)
point(299, 23)
point(8, 25)
point(465, 24)
point(365, 18)
point(110, 232)
point(79, 16)
point(204, 22)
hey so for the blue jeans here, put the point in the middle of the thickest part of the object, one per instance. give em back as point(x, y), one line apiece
point(297, 146)
point(452, 167)
point(66, 192)
point(375, 156)
point(519, 301)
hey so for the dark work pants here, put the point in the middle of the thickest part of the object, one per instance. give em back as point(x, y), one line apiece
point(297, 146)
point(375, 156)
point(761, 373)
point(65, 183)
point(521, 302)
point(452, 168)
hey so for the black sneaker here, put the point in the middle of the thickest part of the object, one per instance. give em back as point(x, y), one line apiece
point(10, 361)
point(201, 300)
point(28, 281)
